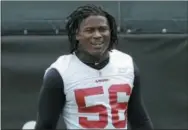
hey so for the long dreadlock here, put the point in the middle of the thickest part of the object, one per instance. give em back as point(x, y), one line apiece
point(82, 12)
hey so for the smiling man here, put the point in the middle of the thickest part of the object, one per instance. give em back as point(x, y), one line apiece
point(95, 86)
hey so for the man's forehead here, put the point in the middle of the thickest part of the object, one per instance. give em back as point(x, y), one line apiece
point(95, 26)
point(93, 21)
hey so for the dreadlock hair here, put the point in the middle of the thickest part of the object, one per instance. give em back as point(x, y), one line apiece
point(81, 13)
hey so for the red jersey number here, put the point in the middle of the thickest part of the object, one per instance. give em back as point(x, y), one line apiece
point(80, 95)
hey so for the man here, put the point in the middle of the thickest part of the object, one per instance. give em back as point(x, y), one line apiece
point(95, 86)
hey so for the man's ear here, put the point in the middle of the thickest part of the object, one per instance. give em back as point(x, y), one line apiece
point(77, 35)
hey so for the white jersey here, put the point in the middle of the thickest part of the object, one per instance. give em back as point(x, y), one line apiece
point(96, 99)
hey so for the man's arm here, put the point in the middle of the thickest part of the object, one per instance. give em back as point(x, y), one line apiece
point(51, 101)
point(137, 113)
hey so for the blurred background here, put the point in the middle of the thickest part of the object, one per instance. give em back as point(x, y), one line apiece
point(155, 33)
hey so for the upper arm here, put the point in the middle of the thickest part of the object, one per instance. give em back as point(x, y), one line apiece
point(51, 100)
point(137, 114)
point(135, 105)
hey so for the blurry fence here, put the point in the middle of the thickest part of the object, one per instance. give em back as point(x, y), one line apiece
point(162, 59)
point(139, 16)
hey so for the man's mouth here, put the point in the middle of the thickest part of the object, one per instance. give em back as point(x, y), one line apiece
point(97, 43)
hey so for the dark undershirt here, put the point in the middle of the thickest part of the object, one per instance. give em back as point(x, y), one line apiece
point(52, 100)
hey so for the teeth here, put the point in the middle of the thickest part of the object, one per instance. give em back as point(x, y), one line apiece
point(98, 44)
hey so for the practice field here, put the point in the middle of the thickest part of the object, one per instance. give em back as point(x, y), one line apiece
point(162, 60)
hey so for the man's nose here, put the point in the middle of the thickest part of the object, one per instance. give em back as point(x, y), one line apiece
point(97, 34)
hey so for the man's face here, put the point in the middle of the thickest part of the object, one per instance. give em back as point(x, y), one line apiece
point(94, 35)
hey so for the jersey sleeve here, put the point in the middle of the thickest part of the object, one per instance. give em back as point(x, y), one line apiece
point(51, 101)
point(137, 114)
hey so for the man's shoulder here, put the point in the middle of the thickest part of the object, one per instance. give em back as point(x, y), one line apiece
point(61, 64)
point(64, 59)
point(121, 59)
point(117, 54)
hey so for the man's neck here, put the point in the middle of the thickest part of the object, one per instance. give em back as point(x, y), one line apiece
point(87, 58)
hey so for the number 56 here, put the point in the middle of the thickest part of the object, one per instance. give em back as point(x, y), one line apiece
point(80, 94)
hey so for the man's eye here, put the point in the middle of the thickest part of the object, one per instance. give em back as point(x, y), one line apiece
point(103, 29)
point(89, 30)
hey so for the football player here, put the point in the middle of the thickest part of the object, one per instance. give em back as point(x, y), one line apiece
point(95, 86)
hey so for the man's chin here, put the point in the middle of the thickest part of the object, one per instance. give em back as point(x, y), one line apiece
point(97, 54)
